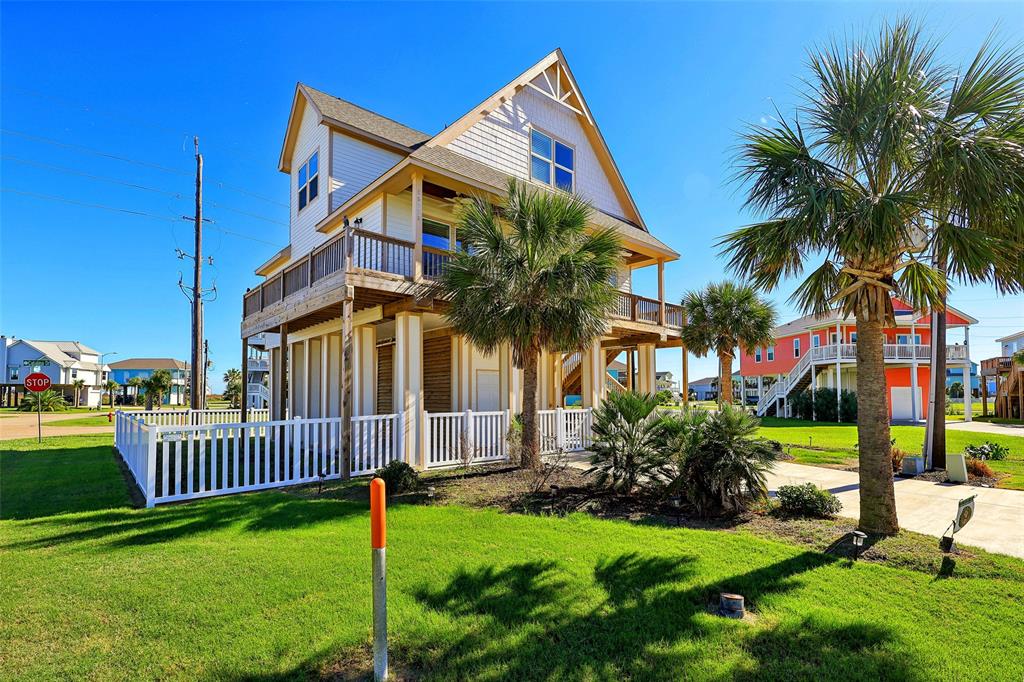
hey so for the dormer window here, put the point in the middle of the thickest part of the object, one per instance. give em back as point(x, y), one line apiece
point(309, 180)
point(551, 161)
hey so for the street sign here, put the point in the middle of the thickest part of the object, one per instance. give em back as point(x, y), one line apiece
point(36, 363)
point(37, 382)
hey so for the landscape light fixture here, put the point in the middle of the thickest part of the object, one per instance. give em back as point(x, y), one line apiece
point(555, 490)
point(677, 505)
point(430, 493)
point(858, 543)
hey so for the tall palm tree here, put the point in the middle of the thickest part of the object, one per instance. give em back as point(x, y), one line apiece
point(111, 386)
point(157, 386)
point(530, 276)
point(77, 385)
point(233, 387)
point(851, 181)
point(138, 383)
point(722, 317)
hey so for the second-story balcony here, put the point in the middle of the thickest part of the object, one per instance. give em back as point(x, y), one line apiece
point(386, 259)
point(258, 365)
point(891, 352)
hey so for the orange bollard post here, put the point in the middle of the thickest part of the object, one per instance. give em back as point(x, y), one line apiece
point(378, 541)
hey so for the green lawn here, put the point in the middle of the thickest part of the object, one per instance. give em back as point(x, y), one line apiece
point(276, 586)
point(95, 420)
point(830, 443)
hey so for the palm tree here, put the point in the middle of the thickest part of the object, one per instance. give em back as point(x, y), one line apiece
point(722, 317)
point(530, 276)
point(45, 401)
point(233, 386)
point(111, 386)
point(156, 386)
point(854, 182)
point(137, 383)
point(77, 385)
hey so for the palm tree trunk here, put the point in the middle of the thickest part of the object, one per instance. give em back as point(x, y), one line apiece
point(724, 378)
point(531, 437)
point(877, 496)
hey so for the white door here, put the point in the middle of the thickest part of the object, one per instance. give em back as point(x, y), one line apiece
point(487, 390)
point(901, 405)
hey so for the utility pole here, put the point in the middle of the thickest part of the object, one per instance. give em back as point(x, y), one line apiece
point(198, 361)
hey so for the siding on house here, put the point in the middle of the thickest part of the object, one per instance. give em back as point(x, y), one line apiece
point(385, 379)
point(355, 165)
point(312, 137)
point(437, 374)
point(502, 140)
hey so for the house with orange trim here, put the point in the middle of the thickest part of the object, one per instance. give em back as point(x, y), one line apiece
point(815, 352)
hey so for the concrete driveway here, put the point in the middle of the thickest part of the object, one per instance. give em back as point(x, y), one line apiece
point(987, 427)
point(925, 507)
point(23, 425)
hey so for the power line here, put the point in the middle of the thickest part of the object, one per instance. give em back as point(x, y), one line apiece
point(133, 185)
point(146, 164)
point(116, 209)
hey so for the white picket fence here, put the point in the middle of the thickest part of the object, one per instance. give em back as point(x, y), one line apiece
point(204, 453)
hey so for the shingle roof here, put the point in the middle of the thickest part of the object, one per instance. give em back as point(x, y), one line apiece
point(149, 363)
point(454, 162)
point(366, 120)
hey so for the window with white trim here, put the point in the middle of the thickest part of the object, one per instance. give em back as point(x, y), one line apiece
point(771, 353)
point(796, 348)
point(13, 375)
point(853, 337)
point(757, 355)
point(74, 373)
point(815, 341)
point(551, 161)
point(309, 180)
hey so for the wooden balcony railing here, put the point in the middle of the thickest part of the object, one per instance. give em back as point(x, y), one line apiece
point(993, 366)
point(381, 253)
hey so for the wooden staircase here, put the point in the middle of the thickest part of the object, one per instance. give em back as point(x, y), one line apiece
point(572, 377)
point(1009, 398)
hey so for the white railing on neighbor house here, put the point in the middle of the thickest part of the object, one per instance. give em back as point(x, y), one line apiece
point(258, 390)
point(259, 365)
point(201, 453)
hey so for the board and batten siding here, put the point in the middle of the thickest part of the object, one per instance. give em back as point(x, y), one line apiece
point(437, 374)
point(385, 378)
point(312, 137)
point(502, 140)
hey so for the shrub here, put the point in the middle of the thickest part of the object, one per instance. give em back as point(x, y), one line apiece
point(808, 500)
point(629, 441)
point(979, 468)
point(848, 406)
point(666, 397)
point(399, 477)
point(825, 404)
point(803, 405)
point(44, 401)
point(987, 450)
point(719, 465)
point(897, 456)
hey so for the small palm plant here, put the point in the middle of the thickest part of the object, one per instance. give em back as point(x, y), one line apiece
point(233, 388)
point(722, 317)
point(533, 277)
point(157, 386)
point(44, 401)
point(111, 387)
point(629, 441)
point(77, 385)
point(138, 384)
point(720, 465)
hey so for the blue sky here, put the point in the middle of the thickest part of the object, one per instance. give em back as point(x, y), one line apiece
point(99, 103)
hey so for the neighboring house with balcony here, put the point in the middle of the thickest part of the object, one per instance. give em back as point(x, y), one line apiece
point(820, 352)
point(373, 212)
point(1007, 377)
point(123, 371)
point(65, 362)
point(257, 370)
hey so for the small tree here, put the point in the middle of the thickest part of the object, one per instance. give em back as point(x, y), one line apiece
point(76, 386)
point(233, 387)
point(111, 386)
point(138, 384)
point(721, 317)
point(157, 386)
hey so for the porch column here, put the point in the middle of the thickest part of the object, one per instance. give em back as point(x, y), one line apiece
point(646, 378)
point(506, 390)
point(592, 369)
point(629, 370)
point(462, 374)
point(364, 370)
point(814, 380)
point(913, 376)
point(417, 226)
point(556, 379)
point(760, 386)
point(983, 380)
point(686, 377)
point(244, 400)
point(408, 383)
point(661, 291)
point(968, 398)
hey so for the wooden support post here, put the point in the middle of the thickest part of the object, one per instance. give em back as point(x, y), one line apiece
point(281, 385)
point(661, 291)
point(346, 383)
point(984, 395)
point(417, 226)
point(629, 369)
point(244, 417)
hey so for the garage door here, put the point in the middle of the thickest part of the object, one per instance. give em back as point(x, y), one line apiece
point(901, 405)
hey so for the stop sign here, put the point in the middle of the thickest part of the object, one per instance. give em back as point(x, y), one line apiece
point(37, 382)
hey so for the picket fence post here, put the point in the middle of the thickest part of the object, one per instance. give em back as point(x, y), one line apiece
point(400, 438)
point(559, 428)
point(151, 435)
point(505, 426)
point(470, 440)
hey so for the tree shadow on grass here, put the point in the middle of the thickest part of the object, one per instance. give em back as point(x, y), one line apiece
point(521, 622)
point(258, 512)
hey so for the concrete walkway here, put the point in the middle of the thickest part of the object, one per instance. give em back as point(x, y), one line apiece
point(987, 427)
point(925, 507)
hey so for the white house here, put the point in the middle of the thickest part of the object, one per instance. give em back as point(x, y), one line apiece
point(65, 362)
point(364, 184)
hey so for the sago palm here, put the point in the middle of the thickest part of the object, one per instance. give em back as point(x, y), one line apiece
point(531, 276)
point(629, 441)
point(722, 317)
point(853, 180)
point(44, 401)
